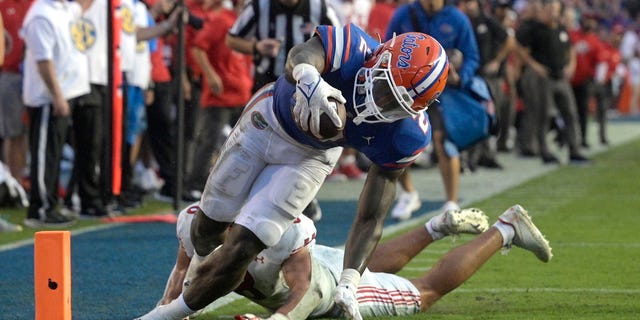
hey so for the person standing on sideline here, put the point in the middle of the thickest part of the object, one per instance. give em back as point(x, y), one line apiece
point(56, 73)
point(13, 128)
point(544, 47)
point(226, 88)
point(453, 30)
point(275, 160)
point(589, 54)
point(494, 45)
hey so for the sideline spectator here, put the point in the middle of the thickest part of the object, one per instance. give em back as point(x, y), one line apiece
point(494, 45)
point(55, 75)
point(226, 87)
point(589, 49)
point(545, 49)
point(13, 127)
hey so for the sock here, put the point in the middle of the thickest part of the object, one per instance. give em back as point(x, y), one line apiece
point(435, 235)
point(177, 309)
point(506, 231)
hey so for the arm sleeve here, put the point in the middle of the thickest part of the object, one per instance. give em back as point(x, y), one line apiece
point(468, 45)
point(345, 48)
point(40, 39)
point(245, 25)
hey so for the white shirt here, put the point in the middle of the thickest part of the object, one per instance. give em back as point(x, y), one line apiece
point(51, 32)
point(95, 20)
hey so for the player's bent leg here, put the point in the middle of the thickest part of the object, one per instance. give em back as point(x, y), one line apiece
point(391, 256)
point(224, 269)
point(457, 266)
point(206, 233)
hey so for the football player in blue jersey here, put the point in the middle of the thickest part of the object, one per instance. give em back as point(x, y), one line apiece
point(275, 160)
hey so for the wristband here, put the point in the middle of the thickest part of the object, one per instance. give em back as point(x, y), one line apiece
point(256, 53)
point(350, 276)
point(278, 316)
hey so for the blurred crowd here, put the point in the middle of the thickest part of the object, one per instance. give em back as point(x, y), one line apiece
point(542, 90)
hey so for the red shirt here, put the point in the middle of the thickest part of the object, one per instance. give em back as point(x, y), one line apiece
point(159, 70)
point(232, 67)
point(612, 56)
point(196, 8)
point(379, 18)
point(587, 47)
point(13, 12)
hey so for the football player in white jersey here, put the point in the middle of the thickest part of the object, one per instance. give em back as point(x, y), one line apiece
point(295, 278)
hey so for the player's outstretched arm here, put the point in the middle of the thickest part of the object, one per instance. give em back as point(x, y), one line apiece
point(375, 201)
point(376, 198)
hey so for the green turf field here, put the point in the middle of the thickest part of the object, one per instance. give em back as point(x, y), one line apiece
point(589, 214)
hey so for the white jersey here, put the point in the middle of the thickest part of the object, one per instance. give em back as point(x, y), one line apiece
point(95, 34)
point(51, 32)
point(128, 35)
point(141, 74)
point(378, 293)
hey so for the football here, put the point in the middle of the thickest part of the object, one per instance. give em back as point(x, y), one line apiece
point(327, 129)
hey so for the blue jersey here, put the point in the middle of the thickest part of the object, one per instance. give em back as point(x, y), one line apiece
point(389, 145)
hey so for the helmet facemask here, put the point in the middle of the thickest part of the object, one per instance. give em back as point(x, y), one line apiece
point(384, 101)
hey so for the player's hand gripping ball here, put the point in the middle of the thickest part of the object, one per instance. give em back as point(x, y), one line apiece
point(328, 130)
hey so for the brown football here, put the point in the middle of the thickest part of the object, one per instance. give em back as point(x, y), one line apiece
point(327, 129)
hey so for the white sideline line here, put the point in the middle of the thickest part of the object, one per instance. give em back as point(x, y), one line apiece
point(27, 242)
point(597, 244)
point(550, 290)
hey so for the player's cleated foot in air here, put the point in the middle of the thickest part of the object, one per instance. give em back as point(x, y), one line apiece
point(454, 222)
point(527, 236)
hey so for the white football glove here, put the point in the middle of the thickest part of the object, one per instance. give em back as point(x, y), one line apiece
point(345, 294)
point(312, 94)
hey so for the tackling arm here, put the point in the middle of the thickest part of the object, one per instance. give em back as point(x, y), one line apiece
point(174, 284)
point(297, 274)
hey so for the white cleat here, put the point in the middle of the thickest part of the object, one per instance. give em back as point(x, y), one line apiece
point(527, 236)
point(407, 203)
point(454, 222)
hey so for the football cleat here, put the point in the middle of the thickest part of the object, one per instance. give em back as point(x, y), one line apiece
point(527, 235)
point(454, 222)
